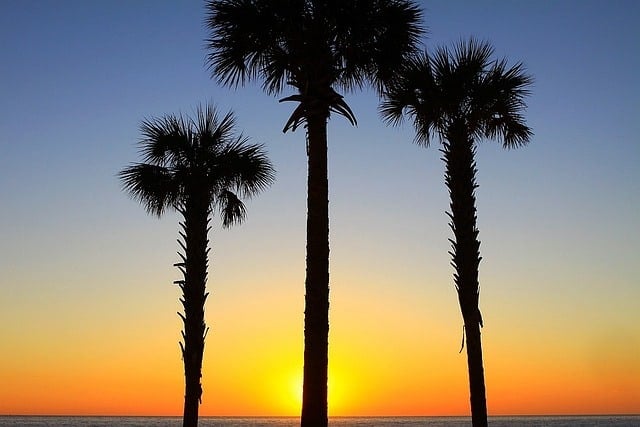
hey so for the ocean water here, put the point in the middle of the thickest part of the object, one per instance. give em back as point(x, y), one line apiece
point(529, 421)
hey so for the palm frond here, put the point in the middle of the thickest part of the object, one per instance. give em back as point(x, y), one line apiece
point(276, 70)
point(211, 131)
point(415, 93)
point(331, 99)
point(230, 42)
point(398, 30)
point(245, 168)
point(162, 138)
point(339, 106)
point(247, 39)
point(232, 210)
point(299, 114)
point(153, 186)
point(505, 89)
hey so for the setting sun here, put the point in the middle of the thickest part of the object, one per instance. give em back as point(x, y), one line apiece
point(291, 394)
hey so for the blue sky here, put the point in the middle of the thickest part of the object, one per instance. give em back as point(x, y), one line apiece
point(558, 219)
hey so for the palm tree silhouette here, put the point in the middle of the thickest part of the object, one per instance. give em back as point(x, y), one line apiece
point(462, 96)
point(317, 47)
point(197, 167)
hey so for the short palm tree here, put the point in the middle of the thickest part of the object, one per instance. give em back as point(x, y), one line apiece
point(463, 96)
point(197, 167)
point(317, 47)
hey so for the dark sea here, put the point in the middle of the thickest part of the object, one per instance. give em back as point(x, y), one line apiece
point(529, 421)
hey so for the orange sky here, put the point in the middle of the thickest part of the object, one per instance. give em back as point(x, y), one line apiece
point(387, 358)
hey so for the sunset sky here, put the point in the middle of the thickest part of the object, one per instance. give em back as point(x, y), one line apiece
point(88, 321)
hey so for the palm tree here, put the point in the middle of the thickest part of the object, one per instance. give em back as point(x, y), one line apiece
point(197, 167)
point(463, 96)
point(317, 47)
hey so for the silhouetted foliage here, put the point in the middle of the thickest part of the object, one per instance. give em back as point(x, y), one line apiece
point(197, 167)
point(462, 95)
point(317, 47)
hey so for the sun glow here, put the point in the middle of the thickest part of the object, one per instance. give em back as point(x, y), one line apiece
point(291, 393)
point(337, 394)
point(295, 393)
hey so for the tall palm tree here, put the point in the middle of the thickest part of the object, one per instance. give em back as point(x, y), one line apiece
point(462, 95)
point(197, 167)
point(317, 47)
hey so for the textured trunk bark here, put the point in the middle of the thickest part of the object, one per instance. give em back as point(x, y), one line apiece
point(195, 226)
point(476, 375)
point(316, 315)
point(461, 182)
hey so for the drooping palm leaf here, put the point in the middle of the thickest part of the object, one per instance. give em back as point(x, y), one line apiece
point(232, 210)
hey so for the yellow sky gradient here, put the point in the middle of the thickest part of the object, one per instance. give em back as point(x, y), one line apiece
point(390, 354)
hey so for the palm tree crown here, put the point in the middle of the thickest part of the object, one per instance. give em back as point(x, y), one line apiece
point(463, 86)
point(316, 46)
point(184, 156)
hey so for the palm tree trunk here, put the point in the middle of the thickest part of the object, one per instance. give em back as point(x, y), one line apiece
point(316, 315)
point(195, 226)
point(460, 179)
point(476, 375)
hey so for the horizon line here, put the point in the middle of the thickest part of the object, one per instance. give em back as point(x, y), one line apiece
point(623, 414)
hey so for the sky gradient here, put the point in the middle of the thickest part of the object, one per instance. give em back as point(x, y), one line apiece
point(88, 320)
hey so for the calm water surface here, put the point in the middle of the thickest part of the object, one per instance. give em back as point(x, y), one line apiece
point(531, 421)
